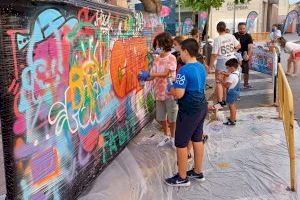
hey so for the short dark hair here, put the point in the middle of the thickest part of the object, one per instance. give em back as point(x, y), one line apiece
point(194, 31)
point(154, 43)
point(242, 24)
point(221, 27)
point(233, 62)
point(191, 45)
point(165, 41)
point(282, 41)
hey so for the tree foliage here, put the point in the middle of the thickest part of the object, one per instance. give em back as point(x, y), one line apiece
point(198, 5)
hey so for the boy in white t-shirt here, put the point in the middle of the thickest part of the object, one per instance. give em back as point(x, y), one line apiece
point(232, 83)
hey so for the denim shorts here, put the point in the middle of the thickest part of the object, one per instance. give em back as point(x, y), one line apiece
point(221, 65)
point(232, 96)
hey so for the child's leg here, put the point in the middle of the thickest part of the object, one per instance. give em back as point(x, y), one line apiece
point(182, 155)
point(161, 115)
point(232, 108)
point(224, 94)
point(197, 140)
point(172, 129)
point(190, 146)
point(296, 63)
point(289, 67)
point(198, 156)
point(172, 110)
point(219, 87)
point(165, 127)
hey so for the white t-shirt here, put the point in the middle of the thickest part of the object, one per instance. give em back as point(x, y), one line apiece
point(233, 79)
point(224, 46)
point(238, 56)
point(290, 46)
point(275, 35)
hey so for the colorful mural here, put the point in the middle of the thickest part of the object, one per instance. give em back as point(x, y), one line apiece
point(70, 95)
point(262, 61)
point(187, 26)
point(167, 15)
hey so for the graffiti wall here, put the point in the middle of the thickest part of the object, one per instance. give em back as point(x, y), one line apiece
point(167, 15)
point(70, 98)
point(262, 61)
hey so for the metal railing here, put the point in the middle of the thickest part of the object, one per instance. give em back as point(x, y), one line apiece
point(286, 113)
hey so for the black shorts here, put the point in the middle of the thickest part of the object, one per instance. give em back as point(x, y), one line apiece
point(245, 67)
point(189, 127)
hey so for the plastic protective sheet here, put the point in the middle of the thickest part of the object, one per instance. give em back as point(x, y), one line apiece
point(248, 161)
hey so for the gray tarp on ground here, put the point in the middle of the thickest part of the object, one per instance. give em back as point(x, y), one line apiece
point(249, 161)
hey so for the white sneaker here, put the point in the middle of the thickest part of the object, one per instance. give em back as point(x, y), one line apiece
point(165, 141)
point(173, 143)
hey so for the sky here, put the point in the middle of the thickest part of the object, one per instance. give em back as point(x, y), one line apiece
point(293, 1)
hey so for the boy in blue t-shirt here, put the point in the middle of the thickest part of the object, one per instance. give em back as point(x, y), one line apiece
point(189, 90)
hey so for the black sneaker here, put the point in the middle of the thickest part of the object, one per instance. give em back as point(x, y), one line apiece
point(223, 103)
point(177, 181)
point(230, 123)
point(194, 175)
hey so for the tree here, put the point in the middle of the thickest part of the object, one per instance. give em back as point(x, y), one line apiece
point(152, 6)
point(198, 5)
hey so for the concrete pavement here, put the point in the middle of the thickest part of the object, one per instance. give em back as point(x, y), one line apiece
point(249, 161)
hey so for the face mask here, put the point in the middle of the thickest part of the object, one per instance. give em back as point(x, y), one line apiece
point(273, 30)
point(158, 51)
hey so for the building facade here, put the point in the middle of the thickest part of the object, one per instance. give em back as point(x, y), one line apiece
point(269, 12)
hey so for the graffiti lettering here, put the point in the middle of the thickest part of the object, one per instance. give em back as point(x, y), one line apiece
point(76, 97)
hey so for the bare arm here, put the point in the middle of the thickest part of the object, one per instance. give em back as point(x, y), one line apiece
point(164, 74)
point(177, 93)
point(250, 47)
point(226, 84)
point(237, 47)
point(213, 58)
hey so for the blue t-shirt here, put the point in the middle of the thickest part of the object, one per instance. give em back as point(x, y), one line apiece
point(192, 78)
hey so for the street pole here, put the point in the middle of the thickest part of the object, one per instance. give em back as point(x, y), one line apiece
point(179, 18)
point(234, 8)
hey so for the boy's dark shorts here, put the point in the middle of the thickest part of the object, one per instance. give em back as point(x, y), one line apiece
point(189, 127)
point(245, 67)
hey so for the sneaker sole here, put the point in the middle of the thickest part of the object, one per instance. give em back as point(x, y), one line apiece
point(197, 179)
point(179, 185)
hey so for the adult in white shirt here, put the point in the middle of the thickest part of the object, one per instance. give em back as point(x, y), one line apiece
point(275, 34)
point(223, 49)
point(294, 50)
